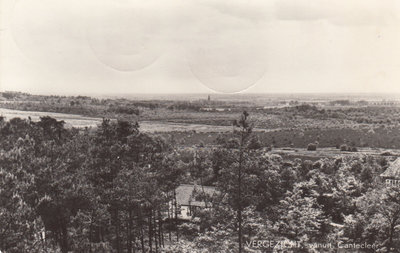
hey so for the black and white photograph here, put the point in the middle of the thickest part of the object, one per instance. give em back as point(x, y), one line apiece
point(199, 126)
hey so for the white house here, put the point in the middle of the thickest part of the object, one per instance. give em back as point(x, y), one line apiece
point(187, 201)
point(391, 176)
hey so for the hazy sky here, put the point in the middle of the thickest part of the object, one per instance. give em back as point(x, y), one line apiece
point(190, 46)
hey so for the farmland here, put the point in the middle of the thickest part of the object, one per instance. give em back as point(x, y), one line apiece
point(279, 121)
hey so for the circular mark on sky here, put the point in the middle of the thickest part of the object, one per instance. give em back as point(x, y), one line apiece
point(228, 64)
point(45, 34)
point(58, 33)
point(125, 39)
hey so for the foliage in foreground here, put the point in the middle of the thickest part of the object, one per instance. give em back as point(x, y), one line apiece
point(69, 190)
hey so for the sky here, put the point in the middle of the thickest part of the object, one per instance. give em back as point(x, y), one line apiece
point(199, 46)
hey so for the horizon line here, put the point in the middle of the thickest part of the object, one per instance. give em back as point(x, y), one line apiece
point(203, 93)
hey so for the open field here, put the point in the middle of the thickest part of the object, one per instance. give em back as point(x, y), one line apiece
point(73, 120)
point(280, 121)
point(293, 153)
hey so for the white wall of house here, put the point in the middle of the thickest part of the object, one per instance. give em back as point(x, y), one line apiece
point(185, 213)
point(392, 182)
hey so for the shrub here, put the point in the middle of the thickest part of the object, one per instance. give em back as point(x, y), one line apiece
point(220, 140)
point(190, 230)
point(232, 143)
point(312, 147)
point(254, 143)
point(354, 149)
point(344, 147)
point(124, 110)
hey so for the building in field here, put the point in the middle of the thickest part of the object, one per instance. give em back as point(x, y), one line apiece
point(188, 199)
point(391, 176)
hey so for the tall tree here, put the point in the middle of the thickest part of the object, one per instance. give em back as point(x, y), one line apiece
point(232, 170)
point(244, 130)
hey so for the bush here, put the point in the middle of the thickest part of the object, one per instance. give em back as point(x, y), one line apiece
point(190, 230)
point(312, 147)
point(232, 143)
point(354, 149)
point(254, 143)
point(124, 110)
point(344, 147)
point(387, 153)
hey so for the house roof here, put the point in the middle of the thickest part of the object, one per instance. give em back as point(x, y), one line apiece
point(185, 194)
point(393, 171)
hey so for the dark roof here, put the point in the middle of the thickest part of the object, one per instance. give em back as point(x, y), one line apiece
point(393, 171)
point(185, 192)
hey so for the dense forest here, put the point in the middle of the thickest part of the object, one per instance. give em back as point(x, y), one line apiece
point(109, 189)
